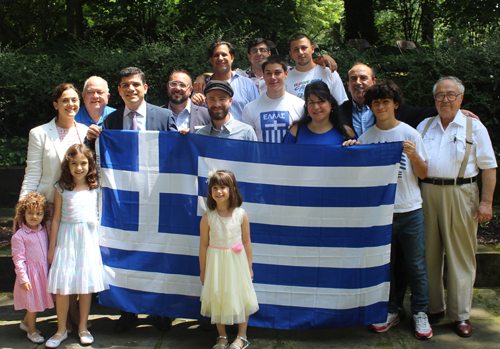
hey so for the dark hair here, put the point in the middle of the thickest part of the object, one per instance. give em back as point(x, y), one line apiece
point(298, 37)
point(226, 178)
point(384, 89)
point(275, 59)
point(218, 43)
point(59, 90)
point(337, 118)
point(33, 201)
point(66, 180)
point(361, 63)
point(129, 72)
point(175, 71)
point(257, 41)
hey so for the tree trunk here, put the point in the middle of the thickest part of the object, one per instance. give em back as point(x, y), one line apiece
point(74, 19)
point(427, 21)
point(360, 20)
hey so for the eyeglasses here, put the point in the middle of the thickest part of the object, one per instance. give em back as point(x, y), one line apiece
point(181, 85)
point(450, 95)
point(259, 49)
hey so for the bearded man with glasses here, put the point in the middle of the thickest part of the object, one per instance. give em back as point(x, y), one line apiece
point(188, 116)
point(457, 147)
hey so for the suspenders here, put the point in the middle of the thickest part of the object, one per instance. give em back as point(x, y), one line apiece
point(468, 142)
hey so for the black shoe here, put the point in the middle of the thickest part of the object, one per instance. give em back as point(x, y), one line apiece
point(163, 323)
point(125, 322)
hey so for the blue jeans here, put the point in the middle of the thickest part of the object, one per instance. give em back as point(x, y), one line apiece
point(408, 239)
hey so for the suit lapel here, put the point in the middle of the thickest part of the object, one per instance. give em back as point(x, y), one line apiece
point(54, 137)
point(150, 115)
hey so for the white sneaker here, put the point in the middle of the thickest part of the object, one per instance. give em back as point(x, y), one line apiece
point(392, 320)
point(423, 329)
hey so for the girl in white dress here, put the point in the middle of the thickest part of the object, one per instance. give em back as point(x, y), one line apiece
point(74, 242)
point(228, 296)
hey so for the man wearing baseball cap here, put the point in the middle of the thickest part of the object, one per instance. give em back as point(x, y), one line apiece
point(219, 96)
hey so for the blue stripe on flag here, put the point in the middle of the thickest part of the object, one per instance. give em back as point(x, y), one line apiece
point(115, 142)
point(312, 196)
point(153, 262)
point(299, 318)
point(321, 237)
point(161, 304)
point(120, 209)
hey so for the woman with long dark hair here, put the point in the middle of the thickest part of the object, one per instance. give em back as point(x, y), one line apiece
point(322, 122)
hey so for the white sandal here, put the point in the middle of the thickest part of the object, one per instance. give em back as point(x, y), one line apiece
point(220, 345)
point(246, 343)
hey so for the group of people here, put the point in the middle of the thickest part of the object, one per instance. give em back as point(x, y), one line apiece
point(436, 211)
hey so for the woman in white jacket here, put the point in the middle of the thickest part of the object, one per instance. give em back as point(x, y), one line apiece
point(48, 143)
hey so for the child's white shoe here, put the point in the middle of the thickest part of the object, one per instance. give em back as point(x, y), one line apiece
point(54, 343)
point(34, 339)
point(25, 328)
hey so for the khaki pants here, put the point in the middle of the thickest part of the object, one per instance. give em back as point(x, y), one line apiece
point(450, 227)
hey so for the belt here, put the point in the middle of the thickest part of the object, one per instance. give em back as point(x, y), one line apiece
point(445, 181)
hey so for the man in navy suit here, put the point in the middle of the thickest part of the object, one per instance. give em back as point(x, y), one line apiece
point(187, 115)
point(139, 115)
point(136, 114)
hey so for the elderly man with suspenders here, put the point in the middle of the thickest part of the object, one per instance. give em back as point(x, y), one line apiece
point(457, 147)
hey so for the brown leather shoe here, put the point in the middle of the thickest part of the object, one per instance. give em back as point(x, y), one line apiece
point(463, 328)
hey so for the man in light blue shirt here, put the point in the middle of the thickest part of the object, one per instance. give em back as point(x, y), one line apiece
point(95, 97)
point(221, 56)
point(219, 96)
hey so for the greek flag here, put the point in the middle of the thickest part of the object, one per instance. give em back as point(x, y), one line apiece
point(320, 222)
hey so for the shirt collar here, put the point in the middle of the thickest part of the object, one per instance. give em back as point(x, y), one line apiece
point(141, 110)
point(188, 107)
point(29, 230)
point(228, 125)
point(355, 105)
point(458, 120)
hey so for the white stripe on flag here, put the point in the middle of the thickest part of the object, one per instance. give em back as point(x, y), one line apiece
point(302, 176)
point(324, 257)
point(327, 298)
point(313, 217)
point(173, 183)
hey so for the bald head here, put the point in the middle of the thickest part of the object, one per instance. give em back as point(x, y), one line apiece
point(95, 96)
point(359, 79)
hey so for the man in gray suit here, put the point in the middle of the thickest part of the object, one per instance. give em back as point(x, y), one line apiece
point(187, 115)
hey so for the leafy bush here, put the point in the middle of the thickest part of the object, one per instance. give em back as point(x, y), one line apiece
point(13, 151)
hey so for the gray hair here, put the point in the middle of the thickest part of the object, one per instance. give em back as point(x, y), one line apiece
point(456, 80)
point(97, 78)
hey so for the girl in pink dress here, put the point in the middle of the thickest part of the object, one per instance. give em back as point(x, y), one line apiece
point(30, 245)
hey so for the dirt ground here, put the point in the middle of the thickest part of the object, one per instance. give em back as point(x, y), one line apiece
point(488, 233)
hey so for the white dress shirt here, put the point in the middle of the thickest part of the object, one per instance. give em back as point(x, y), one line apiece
point(446, 148)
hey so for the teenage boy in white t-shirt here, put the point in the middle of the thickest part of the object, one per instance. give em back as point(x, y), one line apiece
point(408, 232)
point(272, 113)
